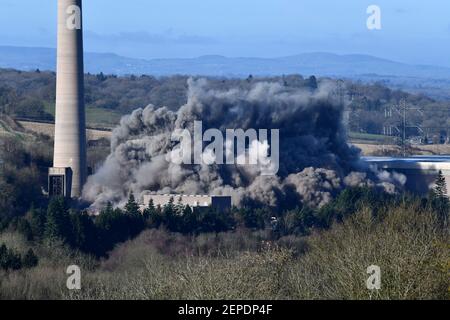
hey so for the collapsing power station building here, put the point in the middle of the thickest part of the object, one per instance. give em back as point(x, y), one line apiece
point(420, 171)
point(221, 203)
point(69, 171)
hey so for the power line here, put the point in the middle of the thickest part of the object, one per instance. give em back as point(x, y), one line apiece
point(402, 109)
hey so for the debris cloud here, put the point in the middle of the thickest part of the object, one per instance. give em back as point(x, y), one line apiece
point(316, 161)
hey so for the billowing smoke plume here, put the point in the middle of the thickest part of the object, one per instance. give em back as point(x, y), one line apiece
point(315, 160)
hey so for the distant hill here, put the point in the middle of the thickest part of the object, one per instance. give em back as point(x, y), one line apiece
point(433, 81)
point(320, 64)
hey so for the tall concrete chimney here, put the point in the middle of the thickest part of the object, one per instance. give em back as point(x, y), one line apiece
point(69, 173)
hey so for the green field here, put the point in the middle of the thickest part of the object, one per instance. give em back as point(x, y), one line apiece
point(7, 131)
point(367, 137)
point(95, 117)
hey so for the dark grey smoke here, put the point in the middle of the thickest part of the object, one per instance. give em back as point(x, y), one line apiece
point(315, 160)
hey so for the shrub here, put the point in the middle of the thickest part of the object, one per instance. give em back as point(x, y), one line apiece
point(30, 260)
point(404, 242)
point(9, 259)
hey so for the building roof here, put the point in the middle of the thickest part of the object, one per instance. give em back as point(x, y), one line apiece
point(413, 162)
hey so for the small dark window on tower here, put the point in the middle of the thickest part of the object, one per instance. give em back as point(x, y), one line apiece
point(56, 186)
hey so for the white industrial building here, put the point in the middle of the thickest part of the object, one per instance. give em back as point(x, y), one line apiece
point(421, 171)
point(221, 203)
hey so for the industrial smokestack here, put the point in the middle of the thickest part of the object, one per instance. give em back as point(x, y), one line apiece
point(69, 173)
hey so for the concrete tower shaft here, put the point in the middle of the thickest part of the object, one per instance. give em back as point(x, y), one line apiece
point(70, 127)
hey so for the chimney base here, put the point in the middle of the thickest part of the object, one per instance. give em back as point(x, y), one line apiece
point(59, 182)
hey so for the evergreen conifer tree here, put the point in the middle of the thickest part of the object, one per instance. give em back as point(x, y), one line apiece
point(58, 224)
point(440, 189)
point(132, 208)
point(30, 260)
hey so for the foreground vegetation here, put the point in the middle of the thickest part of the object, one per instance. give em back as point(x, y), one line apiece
point(409, 241)
point(172, 252)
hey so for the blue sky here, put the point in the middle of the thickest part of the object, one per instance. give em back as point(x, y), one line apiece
point(413, 31)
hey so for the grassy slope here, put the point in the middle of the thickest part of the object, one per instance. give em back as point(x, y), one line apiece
point(9, 128)
point(95, 117)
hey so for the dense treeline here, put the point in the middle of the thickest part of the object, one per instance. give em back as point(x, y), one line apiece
point(374, 109)
point(24, 164)
point(95, 235)
point(99, 234)
point(29, 95)
point(408, 242)
point(406, 236)
point(24, 161)
point(12, 260)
